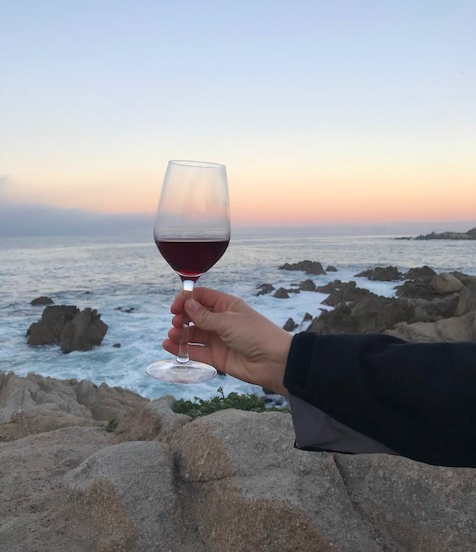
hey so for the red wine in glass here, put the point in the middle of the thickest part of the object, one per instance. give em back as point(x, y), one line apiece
point(192, 232)
point(189, 258)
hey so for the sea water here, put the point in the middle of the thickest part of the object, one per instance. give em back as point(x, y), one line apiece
point(132, 288)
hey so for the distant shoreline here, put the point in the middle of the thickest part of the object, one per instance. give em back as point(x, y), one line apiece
point(469, 235)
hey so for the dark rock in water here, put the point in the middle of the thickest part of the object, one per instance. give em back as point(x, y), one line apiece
point(264, 289)
point(331, 286)
point(117, 345)
point(307, 285)
point(281, 293)
point(331, 268)
point(344, 292)
point(419, 273)
point(381, 274)
point(307, 317)
point(124, 309)
point(68, 327)
point(289, 325)
point(43, 300)
point(47, 331)
point(309, 267)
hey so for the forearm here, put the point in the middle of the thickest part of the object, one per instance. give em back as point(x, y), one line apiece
point(416, 399)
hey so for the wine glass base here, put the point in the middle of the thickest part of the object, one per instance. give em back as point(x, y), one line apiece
point(171, 371)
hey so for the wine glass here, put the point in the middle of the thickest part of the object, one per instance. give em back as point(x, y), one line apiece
point(192, 231)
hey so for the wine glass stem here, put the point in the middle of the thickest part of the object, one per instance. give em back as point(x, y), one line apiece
point(182, 356)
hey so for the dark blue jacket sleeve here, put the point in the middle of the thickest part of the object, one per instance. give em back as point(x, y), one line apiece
point(418, 399)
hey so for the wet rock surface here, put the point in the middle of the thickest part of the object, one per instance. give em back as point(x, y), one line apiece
point(68, 327)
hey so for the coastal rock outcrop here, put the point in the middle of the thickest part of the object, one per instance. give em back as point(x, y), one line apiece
point(264, 289)
point(343, 292)
point(432, 307)
point(281, 293)
point(445, 283)
point(42, 300)
point(419, 273)
point(37, 404)
point(309, 267)
point(307, 285)
point(290, 325)
point(68, 327)
point(231, 480)
point(469, 235)
point(381, 274)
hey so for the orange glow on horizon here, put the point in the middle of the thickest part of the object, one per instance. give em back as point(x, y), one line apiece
point(259, 197)
point(296, 207)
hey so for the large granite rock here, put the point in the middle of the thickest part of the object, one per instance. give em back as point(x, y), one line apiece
point(127, 492)
point(457, 328)
point(37, 404)
point(230, 481)
point(35, 512)
point(68, 327)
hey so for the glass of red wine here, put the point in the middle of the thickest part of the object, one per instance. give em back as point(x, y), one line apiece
point(192, 231)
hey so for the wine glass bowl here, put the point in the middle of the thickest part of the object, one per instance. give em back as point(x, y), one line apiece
point(192, 232)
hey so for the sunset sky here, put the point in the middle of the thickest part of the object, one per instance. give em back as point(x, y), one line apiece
point(323, 112)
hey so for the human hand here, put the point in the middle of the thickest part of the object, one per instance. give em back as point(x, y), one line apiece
point(231, 336)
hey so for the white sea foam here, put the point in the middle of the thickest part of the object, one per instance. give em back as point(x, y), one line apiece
point(117, 277)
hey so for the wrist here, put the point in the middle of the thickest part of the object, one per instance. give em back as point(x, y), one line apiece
point(278, 367)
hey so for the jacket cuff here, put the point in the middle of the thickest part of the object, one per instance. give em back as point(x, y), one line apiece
point(316, 430)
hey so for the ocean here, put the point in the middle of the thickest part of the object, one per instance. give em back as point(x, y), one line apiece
point(132, 287)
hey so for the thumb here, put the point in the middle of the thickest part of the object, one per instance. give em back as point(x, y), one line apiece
point(202, 317)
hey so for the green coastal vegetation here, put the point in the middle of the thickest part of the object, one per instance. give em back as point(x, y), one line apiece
point(201, 407)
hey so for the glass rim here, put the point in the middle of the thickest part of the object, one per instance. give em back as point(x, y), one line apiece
point(201, 164)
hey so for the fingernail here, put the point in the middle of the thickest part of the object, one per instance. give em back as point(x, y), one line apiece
point(192, 305)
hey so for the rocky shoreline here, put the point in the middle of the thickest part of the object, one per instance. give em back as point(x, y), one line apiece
point(94, 468)
point(229, 481)
point(469, 235)
point(428, 306)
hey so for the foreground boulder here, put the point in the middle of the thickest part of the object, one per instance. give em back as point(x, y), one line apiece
point(68, 327)
point(37, 404)
point(35, 513)
point(127, 493)
point(230, 481)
